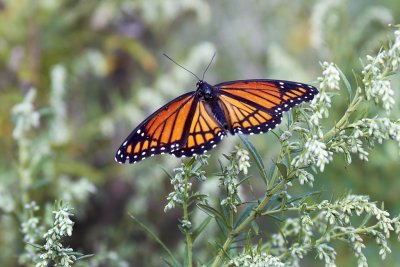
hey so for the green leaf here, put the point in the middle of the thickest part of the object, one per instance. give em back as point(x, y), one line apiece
point(276, 218)
point(195, 197)
point(245, 213)
point(244, 180)
point(255, 227)
point(40, 247)
point(196, 232)
point(346, 83)
point(360, 83)
point(256, 157)
point(167, 173)
point(223, 227)
point(305, 196)
point(282, 169)
point(84, 257)
point(248, 242)
point(259, 246)
point(289, 119)
point(366, 219)
point(213, 212)
point(152, 235)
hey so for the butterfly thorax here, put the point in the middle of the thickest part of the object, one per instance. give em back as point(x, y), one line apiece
point(206, 91)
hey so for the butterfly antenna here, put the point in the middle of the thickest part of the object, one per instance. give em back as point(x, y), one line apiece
point(181, 66)
point(209, 64)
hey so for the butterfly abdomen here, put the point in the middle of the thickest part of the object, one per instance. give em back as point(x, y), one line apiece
point(214, 109)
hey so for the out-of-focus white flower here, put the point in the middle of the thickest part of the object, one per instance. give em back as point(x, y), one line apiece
point(59, 130)
point(75, 191)
point(25, 115)
point(322, 15)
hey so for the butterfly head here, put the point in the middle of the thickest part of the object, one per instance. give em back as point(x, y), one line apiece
point(205, 90)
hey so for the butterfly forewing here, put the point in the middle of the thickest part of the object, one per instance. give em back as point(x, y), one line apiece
point(165, 131)
point(256, 106)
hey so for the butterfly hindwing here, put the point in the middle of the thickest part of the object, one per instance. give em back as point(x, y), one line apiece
point(204, 133)
point(256, 106)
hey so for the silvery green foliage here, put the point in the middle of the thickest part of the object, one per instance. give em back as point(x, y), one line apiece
point(182, 183)
point(310, 144)
point(321, 223)
point(238, 162)
point(32, 150)
point(54, 251)
point(32, 233)
point(318, 224)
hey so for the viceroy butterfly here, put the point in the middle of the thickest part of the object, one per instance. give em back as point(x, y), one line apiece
point(197, 121)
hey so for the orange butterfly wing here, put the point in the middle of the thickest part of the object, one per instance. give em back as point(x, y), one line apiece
point(204, 133)
point(182, 127)
point(256, 106)
point(162, 132)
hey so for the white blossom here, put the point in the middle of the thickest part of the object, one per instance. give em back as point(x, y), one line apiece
point(314, 152)
point(25, 115)
point(255, 259)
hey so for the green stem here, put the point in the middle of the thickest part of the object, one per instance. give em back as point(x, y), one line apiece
point(271, 191)
point(189, 242)
point(339, 125)
point(236, 231)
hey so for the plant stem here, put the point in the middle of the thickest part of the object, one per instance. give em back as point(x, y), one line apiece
point(271, 190)
point(189, 243)
point(236, 231)
point(339, 125)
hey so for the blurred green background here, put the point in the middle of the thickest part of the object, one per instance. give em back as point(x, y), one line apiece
point(104, 58)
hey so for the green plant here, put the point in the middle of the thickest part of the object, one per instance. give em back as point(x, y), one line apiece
point(306, 223)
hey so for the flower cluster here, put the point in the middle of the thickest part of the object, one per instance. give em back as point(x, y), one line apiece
point(314, 153)
point(180, 188)
point(365, 131)
point(25, 115)
point(255, 259)
point(242, 157)
point(32, 232)
point(181, 181)
point(54, 250)
point(327, 221)
point(238, 162)
point(375, 73)
point(305, 177)
point(322, 102)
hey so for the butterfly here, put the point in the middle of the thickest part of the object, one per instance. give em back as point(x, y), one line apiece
point(197, 121)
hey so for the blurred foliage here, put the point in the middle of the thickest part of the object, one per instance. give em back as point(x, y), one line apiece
point(98, 70)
